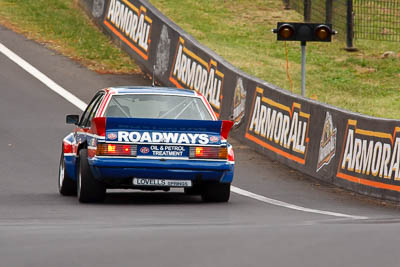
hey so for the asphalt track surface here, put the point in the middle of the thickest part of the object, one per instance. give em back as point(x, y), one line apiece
point(38, 227)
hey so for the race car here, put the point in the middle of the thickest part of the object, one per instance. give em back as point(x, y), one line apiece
point(147, 138)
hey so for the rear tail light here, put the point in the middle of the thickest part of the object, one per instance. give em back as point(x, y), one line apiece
point(231, 155)
point(67, 147)
point(116, 150)
point(207, 152)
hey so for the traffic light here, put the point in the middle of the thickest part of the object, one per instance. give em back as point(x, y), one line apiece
point(306, 32)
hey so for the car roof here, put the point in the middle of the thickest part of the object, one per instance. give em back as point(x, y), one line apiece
point(150, 90)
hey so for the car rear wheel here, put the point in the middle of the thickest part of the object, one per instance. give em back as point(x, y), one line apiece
point(192, 191)
point(66, 186)
point(89, 189)
point(216, 192)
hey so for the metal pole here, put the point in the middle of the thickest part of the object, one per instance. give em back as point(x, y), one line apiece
point(287, 4)
point(349, 27)
point(328, 11)
point(307, 10)
point(303, 68)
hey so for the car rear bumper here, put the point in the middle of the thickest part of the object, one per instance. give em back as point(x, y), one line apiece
point(195, 170)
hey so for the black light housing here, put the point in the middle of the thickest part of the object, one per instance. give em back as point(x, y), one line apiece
point(306, 32)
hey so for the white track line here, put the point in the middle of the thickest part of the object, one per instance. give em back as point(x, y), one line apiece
point(82, 105)
point(43, 78)
point(290, 206)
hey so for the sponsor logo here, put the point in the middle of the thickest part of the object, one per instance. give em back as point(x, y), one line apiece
point(239, 102)
point(191, 71)
point(144, 150)
point(162, 58)
point(158, 137)
point(131, 24)
point(327, 145)
point(214, 139)
point(371, 155)
point(98, 8)
point(111, 136)
point(279, 128)
point(171, 151)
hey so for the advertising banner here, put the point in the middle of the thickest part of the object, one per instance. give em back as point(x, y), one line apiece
point(279, 126)
point(350, 150)
point(370, 155)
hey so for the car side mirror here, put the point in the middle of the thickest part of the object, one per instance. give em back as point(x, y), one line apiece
point(72, 119)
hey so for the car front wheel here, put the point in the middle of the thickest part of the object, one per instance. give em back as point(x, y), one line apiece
point(89, 189)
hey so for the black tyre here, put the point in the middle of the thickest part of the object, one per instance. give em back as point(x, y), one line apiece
point(192, 191)
point(89, 189)
point(66, 186)
point(216, 192)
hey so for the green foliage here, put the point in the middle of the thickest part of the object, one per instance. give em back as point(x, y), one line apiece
point(240, 31)
point(63, 26)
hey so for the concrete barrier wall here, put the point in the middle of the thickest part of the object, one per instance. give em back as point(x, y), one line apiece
point(350, 150)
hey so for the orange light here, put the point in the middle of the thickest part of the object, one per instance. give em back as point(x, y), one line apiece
point(111, 148)
point(322, 32)
point(286, 31)
point(223, 153)
point(209, 152)
point(199, 151)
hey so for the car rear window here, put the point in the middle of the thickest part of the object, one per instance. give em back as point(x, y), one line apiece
point(157, 107)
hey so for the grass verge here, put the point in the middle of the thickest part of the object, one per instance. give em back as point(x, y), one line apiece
point(62, 26)
point(240, 31)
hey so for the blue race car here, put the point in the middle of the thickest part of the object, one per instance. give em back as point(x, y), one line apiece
point(150, 139)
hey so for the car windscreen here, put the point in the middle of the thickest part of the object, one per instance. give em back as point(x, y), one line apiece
point(157, 107)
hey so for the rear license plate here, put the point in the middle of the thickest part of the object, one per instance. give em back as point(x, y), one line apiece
point(161, 182)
